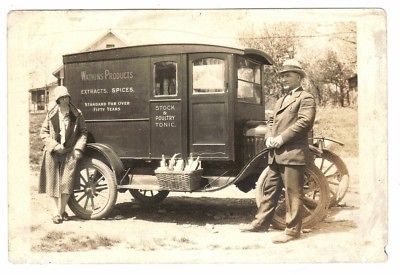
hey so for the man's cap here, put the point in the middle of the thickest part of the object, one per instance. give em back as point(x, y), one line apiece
point(292, 65)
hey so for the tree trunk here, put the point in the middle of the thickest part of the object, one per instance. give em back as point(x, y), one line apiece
point(341, 96)
point(348, 97)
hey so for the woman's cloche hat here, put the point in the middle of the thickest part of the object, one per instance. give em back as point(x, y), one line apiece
point(60, 91)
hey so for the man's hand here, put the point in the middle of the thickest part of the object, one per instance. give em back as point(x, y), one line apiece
point(268, 142)
point(78, 154)
point(277, 141)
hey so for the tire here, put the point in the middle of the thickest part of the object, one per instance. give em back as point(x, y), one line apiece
point(315, 208)
point(148, 197)
point(336, 173)
point(95, 191)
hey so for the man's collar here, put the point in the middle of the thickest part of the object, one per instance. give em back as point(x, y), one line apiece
point(294, 90)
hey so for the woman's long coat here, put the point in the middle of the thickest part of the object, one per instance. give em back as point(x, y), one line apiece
point(57, 170)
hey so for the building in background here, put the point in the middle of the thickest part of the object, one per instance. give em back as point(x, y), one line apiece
point(353, 90)
point(41, 97)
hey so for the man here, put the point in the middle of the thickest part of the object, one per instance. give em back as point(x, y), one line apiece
point(287, 139)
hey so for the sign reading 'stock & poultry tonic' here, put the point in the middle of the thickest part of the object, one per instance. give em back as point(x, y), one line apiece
point(165, 121)
point(164, 115)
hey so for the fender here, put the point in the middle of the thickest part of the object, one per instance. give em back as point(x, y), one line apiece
point(315, 150)
point(247, 177)
point(108, 156)
point(321, 143)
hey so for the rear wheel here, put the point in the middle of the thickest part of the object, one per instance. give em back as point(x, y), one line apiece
point(315, 199)
point(148, 197)
point(95, 191)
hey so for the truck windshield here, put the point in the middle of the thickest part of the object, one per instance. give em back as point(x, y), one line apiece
point(165, 78)
point(249, 81)
point(208, 75)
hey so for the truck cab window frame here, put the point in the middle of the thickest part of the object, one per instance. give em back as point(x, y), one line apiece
point(165, 78)
point(249, 81)
point(208, 76)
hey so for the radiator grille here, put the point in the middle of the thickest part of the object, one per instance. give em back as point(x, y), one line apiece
point(253, 145)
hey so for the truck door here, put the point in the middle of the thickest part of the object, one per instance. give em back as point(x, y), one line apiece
point(167, 105)
point(210, 113)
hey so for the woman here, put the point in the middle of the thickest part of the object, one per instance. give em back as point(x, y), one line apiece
point(64, 135)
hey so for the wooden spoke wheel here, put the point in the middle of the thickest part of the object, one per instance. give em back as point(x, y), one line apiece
point(95, 191)
point(315, 199)
point(336, 173)
point(148, 197)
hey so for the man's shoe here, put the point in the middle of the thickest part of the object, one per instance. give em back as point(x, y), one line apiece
point(65, 216)
point(250, 228)
point(284, 238)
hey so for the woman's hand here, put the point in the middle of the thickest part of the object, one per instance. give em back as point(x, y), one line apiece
point(59, 148)
point(78, 154)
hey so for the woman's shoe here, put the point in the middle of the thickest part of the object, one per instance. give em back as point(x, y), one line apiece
point(65, 216)
point(57, 219)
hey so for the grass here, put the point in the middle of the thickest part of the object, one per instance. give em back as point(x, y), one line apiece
point(181, 240)
point(165, 243)
point(36, 144)
point(340, 124)
point(56, 241)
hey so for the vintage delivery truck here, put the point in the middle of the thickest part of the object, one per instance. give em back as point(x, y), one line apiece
point(173, 104)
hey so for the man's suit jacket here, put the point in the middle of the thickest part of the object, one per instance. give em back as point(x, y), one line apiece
point(292, 120)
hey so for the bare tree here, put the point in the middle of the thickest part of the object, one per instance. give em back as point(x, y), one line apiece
point(279, 41)
point(327, 70)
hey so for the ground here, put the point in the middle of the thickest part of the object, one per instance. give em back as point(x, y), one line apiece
point(197, 227)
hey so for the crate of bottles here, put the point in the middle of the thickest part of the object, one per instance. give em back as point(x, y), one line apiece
point(179, 180)
point(179, 175)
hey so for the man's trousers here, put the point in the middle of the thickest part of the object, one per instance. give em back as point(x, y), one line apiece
point(292, 178)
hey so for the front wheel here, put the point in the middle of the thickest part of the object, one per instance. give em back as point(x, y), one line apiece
point(95, 191)
point(315, 198)
point(335, 172)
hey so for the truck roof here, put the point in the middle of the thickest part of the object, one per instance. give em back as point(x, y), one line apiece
point(163, 49)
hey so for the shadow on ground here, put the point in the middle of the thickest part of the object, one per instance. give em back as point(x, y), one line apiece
point(189, 210)
point(338, 219)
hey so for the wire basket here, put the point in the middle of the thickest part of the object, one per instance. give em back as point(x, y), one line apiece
point(179, 180)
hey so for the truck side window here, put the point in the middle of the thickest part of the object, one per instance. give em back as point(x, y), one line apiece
point(208, 75)
point(165, 76)
point(249, 81)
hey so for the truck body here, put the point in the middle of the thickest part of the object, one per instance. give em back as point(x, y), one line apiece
point(147, 101)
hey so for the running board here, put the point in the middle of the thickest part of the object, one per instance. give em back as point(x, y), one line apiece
point(140, 187)
point(149, 182)
point(142, 182)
